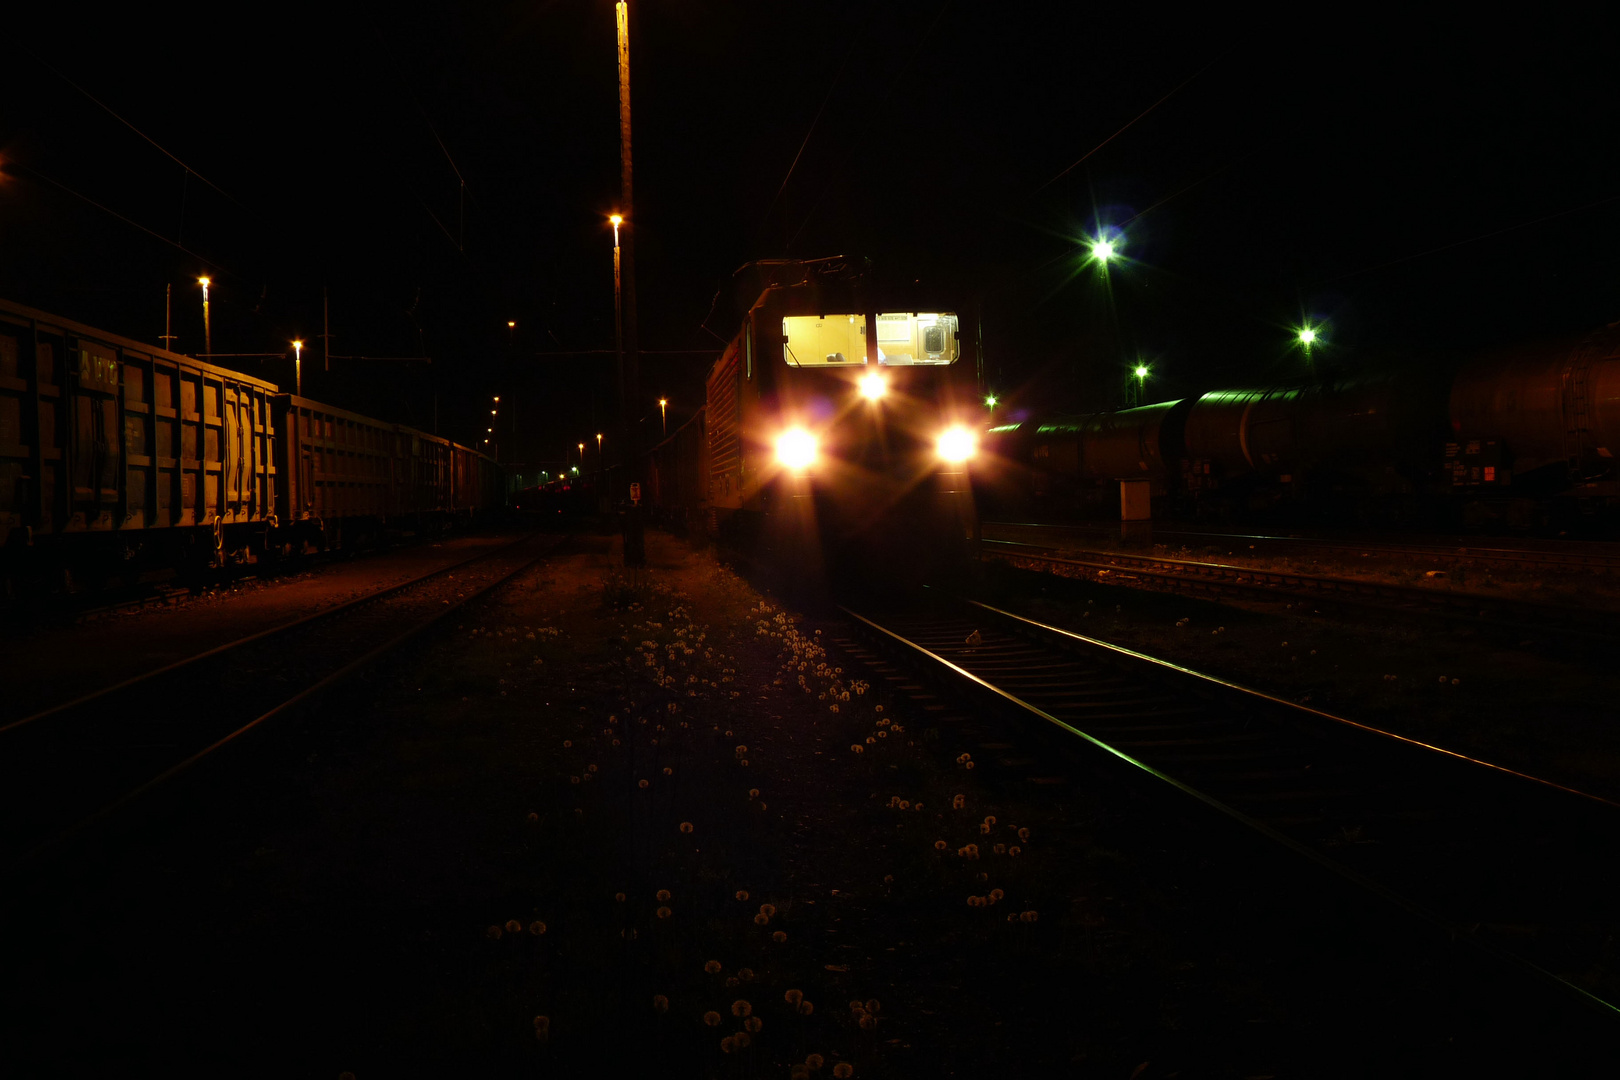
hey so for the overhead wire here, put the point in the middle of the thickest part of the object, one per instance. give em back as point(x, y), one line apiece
point(160, 147)
point(894, 84)
point(1121, 131)
point(109, 210)
point(814, 121)
point(461, 243)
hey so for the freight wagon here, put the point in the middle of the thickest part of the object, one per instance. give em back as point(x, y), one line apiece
point(1526, 437)
point(118, 458)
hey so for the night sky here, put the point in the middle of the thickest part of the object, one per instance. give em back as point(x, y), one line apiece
point(1418, 186)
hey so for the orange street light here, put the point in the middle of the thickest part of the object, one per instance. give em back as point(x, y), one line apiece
point(663, 414)
point(298, 366)
point(208, 329)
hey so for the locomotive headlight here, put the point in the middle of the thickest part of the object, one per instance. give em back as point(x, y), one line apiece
point(873, 386)
point(957, 444)
point(796, 448)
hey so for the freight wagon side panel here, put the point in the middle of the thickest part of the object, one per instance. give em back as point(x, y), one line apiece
point(724, 431)
point(19, 442)
point(99, 433)
point(342, 464)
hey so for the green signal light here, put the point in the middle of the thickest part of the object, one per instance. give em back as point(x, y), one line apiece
point(1141, 372)
point(1103, 250)
point(990, 401)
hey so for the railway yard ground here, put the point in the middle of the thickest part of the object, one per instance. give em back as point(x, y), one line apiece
point(1527, 698)
point(657, 824)
point(83, 652)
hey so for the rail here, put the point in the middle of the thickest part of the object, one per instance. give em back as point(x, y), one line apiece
point(1201, 576)
point(1566, 555)
point(1304, 780)
point(106, 750)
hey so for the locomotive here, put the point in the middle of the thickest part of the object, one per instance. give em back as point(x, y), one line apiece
point(118, 458)
point(838, 430)
point(1522, 438)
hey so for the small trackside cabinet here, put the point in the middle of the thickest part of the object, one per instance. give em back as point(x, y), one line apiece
point(1135, 500)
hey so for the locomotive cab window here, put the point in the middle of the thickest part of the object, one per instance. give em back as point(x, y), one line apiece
point(824, 340)
point(916, 338)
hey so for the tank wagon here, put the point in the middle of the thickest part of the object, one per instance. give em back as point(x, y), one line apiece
point(838, 427)
point(1524, 438)
point(117, 457)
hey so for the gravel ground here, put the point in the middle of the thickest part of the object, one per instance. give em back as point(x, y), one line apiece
point(647, 826)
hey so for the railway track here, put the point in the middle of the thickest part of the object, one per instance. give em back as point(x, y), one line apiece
point(1582, 556)
point(66, 769)
point(1201, 577)
point(1516, 866)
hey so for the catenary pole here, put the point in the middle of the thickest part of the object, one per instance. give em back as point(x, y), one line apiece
point(630, 382)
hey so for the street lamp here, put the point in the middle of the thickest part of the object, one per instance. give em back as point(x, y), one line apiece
point(1141, 382)
point(208, 329)
point(990, 401)
point(663, 414)
point(618, 308)
point(298, 366)
point(582, 455)
point(1306, 336)
point(598, 449)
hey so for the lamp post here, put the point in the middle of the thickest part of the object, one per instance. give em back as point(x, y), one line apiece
point(635, 552)
point(663, 414)
point(599, 463)
point(1141, 382)
point(618, 303)
point(208, 329)
point(298, 366)
point(582, 455)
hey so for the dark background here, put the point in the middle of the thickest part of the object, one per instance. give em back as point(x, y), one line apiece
point(1418, 186)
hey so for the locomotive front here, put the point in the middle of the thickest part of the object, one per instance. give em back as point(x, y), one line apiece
point(842, 426)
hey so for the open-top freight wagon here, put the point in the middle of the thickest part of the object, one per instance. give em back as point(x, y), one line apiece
point(117, 457)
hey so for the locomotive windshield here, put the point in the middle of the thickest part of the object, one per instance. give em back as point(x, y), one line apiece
point(824, 340)
point(840, 340)
point(916, 338)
